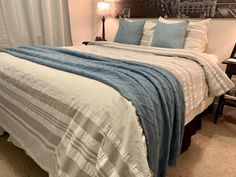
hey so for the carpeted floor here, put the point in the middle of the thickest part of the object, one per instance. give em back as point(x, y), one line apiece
point(211, 154)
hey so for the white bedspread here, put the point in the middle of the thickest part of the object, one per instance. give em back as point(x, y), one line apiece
point(37, 101)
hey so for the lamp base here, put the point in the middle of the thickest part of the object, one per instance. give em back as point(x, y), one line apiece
point(99, 39)
point(103, 28)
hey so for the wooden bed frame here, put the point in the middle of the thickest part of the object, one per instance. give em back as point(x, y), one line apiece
point(192, 127)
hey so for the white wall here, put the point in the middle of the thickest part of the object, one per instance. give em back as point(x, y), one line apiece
point(111, 27)
point(81, 20)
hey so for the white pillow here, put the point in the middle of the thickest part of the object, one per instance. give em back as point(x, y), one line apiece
point(196, 35)
point(148, 30)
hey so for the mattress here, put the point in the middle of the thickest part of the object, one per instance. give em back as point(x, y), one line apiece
point(33, 95)
point(198, 109)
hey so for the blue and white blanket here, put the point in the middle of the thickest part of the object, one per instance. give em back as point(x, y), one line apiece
point(155, 93)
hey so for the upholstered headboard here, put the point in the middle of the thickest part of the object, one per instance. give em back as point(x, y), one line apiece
point(221, 35)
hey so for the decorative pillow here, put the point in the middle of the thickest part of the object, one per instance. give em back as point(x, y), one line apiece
point(196, 36)
point(148, 30)
point(129, 32)
point(169, 35)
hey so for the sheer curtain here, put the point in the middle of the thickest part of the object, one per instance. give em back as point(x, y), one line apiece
point(4, 42)
point(37, 22)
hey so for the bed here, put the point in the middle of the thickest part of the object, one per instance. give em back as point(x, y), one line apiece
point(72, 125)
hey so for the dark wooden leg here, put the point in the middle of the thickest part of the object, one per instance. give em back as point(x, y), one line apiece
point(218, 108)
point(191, 129)
point(221, 109)
point(210, 109)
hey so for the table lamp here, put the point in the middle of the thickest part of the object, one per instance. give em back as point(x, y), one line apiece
point(103, 9)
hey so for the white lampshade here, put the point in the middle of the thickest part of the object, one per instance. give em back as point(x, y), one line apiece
point(103, 8)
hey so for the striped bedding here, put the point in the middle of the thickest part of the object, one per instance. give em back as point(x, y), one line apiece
point(75, 126)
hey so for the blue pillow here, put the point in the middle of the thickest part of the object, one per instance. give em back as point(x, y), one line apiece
point(169, 35)
point(129, 32)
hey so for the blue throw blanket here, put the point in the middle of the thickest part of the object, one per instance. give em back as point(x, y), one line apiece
point(155, 93)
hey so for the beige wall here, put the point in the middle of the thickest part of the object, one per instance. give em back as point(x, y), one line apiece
point(222, 37)
point(81, 20)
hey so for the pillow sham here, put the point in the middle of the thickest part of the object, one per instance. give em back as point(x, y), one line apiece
point(169, 35)
point(196, 36)
point(129, 32)
point(148, 30)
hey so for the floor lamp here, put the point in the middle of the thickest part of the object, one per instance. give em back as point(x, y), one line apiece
point(103, 9)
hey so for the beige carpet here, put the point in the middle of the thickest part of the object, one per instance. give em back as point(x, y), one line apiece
point(211, 154)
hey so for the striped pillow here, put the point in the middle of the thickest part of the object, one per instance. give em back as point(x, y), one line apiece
point(148, 30)
point(196, 36)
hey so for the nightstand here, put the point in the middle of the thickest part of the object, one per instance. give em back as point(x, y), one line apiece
point(96, 39)
point(229, 98)
point(86, 42)
point(230, 68)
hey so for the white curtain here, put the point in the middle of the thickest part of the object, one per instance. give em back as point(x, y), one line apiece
point(37, 22)
point(4, 42)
